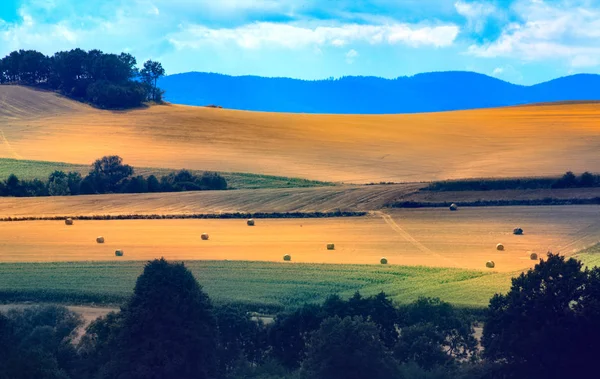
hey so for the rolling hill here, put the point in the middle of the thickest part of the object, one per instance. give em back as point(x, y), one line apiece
point(503, 142)
point(430, 92)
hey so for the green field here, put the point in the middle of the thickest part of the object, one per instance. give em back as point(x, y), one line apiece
point(263, 285)
point(29, 170)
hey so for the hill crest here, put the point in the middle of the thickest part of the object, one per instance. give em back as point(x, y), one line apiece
point(427, 92)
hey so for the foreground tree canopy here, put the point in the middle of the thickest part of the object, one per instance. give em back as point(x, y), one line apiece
point(105, 80)
point(546, 326)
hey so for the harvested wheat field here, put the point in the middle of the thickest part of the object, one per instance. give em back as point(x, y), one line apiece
point(504, 142)
point(428, 237)
point(317, 199)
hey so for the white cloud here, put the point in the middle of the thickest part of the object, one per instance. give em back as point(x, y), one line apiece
point(268, 34)
point(508, 72)
point(548, 31)
point(476, 13)
point(351, 56)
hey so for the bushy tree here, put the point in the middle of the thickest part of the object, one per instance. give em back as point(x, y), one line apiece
point(347, 348)
point(168, 328)
point(242, 340)
point(433, 333)
point(153, 184)
point(58, 184)
point(546, 325)
point(39, 343)
point(108, 172)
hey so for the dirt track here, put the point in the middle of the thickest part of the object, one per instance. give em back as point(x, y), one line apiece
point(428, 237)
point(515, 141)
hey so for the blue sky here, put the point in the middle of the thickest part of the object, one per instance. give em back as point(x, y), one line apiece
point(521, 41)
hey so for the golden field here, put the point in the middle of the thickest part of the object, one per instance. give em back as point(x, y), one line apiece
point(427, 237)
point(505, 142)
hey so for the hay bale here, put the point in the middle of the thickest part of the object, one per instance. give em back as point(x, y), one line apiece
point(330, 246)
point(533, 257)
point(204, 236)
point(250, 222)
point(500, 247)
point(69, 221)
point(490, 264)
point(383, 261)
point(453, 207)
point(517, 231)
point(287, 257)
point(100, 239)
point(119, 253)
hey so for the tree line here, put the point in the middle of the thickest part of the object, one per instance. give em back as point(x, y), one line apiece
point(110, 175)
point(111, 81)
point(568, 180)
point(544, 327)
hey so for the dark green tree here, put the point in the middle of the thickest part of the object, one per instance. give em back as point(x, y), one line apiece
point(168, 328)
point(547, 324)
point(58, 184)
point(39, 343)
point(108, 172)
point(433, 333)
point(348, 348)
point(153, 184)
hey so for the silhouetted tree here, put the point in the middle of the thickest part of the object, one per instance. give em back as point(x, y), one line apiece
point(168, 328)
point(546, 325)
point(348, 348)
point(433, 333)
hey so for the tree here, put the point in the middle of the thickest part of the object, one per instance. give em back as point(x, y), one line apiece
point(108, 172)
point(74, 182)
point(168, 328)
point(40, 342)
point(58, 184)
point(348, 348)
point(153, 184)
point(241, 339)
point(433, 333)
point(587, 180)
point(546, 325)
point(151, 72)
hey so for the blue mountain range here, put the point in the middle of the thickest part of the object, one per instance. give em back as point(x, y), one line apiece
point(429, 92)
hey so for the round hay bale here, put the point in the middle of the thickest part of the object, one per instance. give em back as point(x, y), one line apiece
point(119, 253)
point(383, 261)
point(490, 264)
point(330, 246)
point(204, 236)
point(453, 207)
point(69, 221)
point(250, 222)
point(518, 231)
point(287, 257)
point(100, 239)
point(500, 247)
point(533, 256)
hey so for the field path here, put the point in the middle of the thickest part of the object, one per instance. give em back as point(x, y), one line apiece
point(398, 229)
point(9, 149)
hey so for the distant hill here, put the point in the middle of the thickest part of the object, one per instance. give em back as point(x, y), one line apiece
point(430, 92)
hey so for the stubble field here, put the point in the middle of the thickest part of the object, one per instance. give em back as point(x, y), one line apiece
point(414, 237)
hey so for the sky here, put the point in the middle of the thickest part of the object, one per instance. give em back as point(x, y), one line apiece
point(520, 41)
